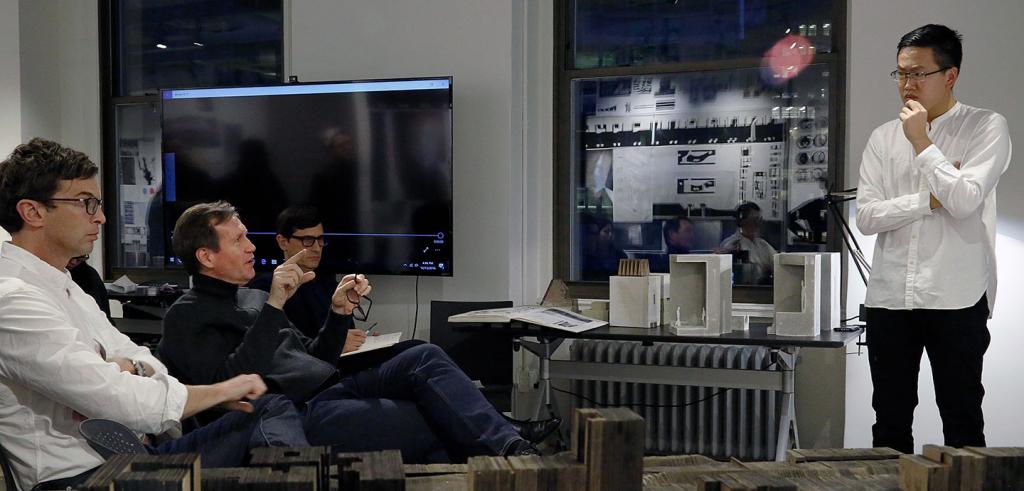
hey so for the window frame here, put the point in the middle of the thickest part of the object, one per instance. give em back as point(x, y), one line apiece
point(565, 74)
point(110, 39)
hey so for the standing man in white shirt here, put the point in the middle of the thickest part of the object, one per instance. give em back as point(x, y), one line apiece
point(927, 188)
point(61, 361)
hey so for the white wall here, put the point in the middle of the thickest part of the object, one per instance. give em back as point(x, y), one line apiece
point(10, 83)
point(59, 77)
point(991, 77)
point(484, 45)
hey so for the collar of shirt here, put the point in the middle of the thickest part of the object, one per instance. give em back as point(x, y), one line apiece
point(212, 286)
point(58, 278)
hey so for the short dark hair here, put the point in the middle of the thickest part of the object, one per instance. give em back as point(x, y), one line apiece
point(195, 230)
point(946, 44)
point(672, 226)
point(296, 217)
point(34, 171)
point(744, 210)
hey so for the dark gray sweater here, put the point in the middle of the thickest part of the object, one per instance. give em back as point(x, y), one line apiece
point(218, 330)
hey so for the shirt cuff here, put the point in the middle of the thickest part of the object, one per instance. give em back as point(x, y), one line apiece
point(177, 397)
point(930, 158)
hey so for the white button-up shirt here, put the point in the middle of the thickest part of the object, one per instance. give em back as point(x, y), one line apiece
point(52, 373)
point(942, 258)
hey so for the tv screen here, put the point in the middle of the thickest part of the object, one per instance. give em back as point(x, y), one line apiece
point(373, 156)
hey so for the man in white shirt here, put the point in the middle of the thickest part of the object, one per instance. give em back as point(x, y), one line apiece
point(61, 360)
point(747, 239)
point(927, 188)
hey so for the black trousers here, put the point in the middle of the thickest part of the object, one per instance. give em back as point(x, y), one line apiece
point(956, 341)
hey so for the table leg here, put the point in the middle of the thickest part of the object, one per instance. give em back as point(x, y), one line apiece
point(786, 358)
point(543, 348)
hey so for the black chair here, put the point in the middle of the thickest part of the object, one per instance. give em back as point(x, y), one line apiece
point(109, 438)
point(484, 357)
point(10, 483)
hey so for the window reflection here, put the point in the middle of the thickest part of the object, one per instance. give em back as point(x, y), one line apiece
point(630, 33)
point(728, 161)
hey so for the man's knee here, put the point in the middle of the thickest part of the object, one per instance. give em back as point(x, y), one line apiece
point(274, 405)
point(427, 351)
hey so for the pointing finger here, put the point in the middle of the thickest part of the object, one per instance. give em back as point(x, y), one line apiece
point(295, 258)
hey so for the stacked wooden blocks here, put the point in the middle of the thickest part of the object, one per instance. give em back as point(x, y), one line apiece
point(971, 468)
point(371, 471)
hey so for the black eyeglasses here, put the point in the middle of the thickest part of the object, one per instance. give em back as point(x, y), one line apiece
point(359, 314)
point(308, 240)
point(92, 204)
point(900, 77)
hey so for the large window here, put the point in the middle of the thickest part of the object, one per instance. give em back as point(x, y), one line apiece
point(148, 46)
point(695, 127)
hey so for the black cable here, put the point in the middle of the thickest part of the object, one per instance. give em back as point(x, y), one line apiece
point(602, 404)
point(416, 314)
point(851, 318)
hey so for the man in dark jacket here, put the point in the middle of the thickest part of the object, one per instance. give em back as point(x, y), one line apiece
point(219, 329)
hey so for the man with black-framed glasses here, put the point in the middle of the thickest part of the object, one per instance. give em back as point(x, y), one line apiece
point(299, 228)
point(418, 401)
point(62, 359)
point(927, 188)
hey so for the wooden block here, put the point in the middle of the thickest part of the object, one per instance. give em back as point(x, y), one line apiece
point(798, 455)
point(613, 449)
point(377, 471)
point(282, 458)
point(145, 468)
point(676, 461)
point(490, 473)
point(579, 424)
point(634, 267)
point(966, 468)
point(569, 474)
point(1003, 466)
point(418, 470)
point(526, 471)
point(920, 474)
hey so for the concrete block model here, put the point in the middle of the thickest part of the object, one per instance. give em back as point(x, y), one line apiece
point(700, 297)
point(635, 301)
point(806, 293)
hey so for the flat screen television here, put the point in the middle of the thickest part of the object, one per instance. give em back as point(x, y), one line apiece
point(374, 156)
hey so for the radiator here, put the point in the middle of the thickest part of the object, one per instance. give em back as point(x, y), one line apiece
point(739, 423)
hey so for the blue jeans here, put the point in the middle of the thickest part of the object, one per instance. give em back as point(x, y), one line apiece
point(274, 422)
point(225, 442)
point(418, 401)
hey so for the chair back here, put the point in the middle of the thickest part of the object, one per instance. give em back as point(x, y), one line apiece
point(10, 483)
point(486, 357)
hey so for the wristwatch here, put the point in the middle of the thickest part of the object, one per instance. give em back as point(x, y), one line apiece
point(140, 368)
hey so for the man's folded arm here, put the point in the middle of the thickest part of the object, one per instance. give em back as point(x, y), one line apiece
point(962, 190)
point(875, 212)
point(41, 353)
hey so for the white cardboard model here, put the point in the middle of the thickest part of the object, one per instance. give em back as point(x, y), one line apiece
point(634, 301)
point(806, 293)
point(700, 300)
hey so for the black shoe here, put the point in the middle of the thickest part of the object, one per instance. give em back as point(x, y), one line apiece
point(521, 448)
point(535, 431)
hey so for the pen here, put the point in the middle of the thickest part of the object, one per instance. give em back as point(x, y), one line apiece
point(371, 328)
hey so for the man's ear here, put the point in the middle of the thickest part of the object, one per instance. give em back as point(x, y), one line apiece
point(952, 75)
point(32, 212)
point(282, 242)
point(206, 257)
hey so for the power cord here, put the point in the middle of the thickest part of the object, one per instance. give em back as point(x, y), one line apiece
point(416, 314)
